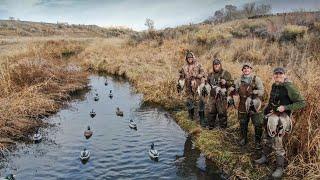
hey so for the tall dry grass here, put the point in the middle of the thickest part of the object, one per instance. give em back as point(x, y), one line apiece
point(153, 69)
point(34, 84)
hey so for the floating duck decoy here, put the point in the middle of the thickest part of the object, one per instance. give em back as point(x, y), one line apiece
point(110, 94)
point(118, 112)
point(132, 124)
point(96, 98)
point(8, 177)
point(154, 154)
point(106, 83)
point(37, 136)
point(92, 114)
point(88, 133)
point(85, 155)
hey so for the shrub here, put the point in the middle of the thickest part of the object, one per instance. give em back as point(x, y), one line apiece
point(292, 32)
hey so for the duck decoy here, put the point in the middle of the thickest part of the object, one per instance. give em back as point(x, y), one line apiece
point(154, 154)
point(110, 94)
point(118, 112)
point(8, 177)
point(132, 124)
point(37, 137)
point(92, 114)
point(106, 83)
point(88, 133)
point(96, 98)
point(85, 155)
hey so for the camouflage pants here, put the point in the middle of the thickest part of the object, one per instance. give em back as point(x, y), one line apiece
point(218, 109)
point(276, 142)
point(257, 120)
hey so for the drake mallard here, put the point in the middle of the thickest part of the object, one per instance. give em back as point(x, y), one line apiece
point(96, 98)
point(8, 177)
point(37, 136)
point(110, 94)
point(132, 124)
point(84, 155)
point(92, 114)
point(154, 154)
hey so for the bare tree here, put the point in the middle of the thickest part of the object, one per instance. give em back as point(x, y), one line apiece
point(249, 9)
point(263, 9)
point(230, 11)
point(150, 24)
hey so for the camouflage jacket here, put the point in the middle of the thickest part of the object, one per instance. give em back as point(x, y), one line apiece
point(215, 77)
point(192, 72)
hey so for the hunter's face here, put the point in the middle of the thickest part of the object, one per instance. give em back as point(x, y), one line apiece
point(246, 70)
point(279, 77)
point(216, 67)
point(190, 60)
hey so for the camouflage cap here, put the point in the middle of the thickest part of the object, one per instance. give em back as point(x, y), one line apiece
point(247, 65)
point(216, 62)
point(189, 54)
point(279, 70)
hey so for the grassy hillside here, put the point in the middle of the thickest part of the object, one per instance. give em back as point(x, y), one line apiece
point(27, 28)
point(151, 60)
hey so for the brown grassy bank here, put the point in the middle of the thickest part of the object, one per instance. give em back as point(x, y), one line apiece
point(152, 65)
point(36, 77)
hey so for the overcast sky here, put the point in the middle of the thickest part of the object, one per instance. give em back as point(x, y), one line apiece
point(131, 13)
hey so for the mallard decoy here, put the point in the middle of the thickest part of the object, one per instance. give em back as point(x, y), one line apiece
point(110, 94)
point(118, 112)
point(8, 177)
point(132, 124)
point(154, 154)
point(96, 98)
point(37, 136)
point(88, 133)
point(92, 114)
point(84, 155)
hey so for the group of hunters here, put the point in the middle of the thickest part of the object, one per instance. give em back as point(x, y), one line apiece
point(217, 91)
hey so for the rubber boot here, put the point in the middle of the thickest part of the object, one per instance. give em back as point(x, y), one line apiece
point(261, 160)
point(279, 171)
point(258, 136)
point(223, 121)
point(201, 112)
point(202, 118)
point(191, 113)
point(244, 132)
point(190, 107)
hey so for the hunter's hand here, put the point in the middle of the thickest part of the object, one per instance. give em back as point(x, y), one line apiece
point(223, 81)
point(281, 109)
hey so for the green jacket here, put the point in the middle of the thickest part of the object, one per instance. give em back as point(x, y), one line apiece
point(287, 95)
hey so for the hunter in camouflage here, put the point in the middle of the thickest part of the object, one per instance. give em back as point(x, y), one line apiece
point(220, 80)
point(191, 76)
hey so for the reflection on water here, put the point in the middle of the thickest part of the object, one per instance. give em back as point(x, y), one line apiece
point(117, 152)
